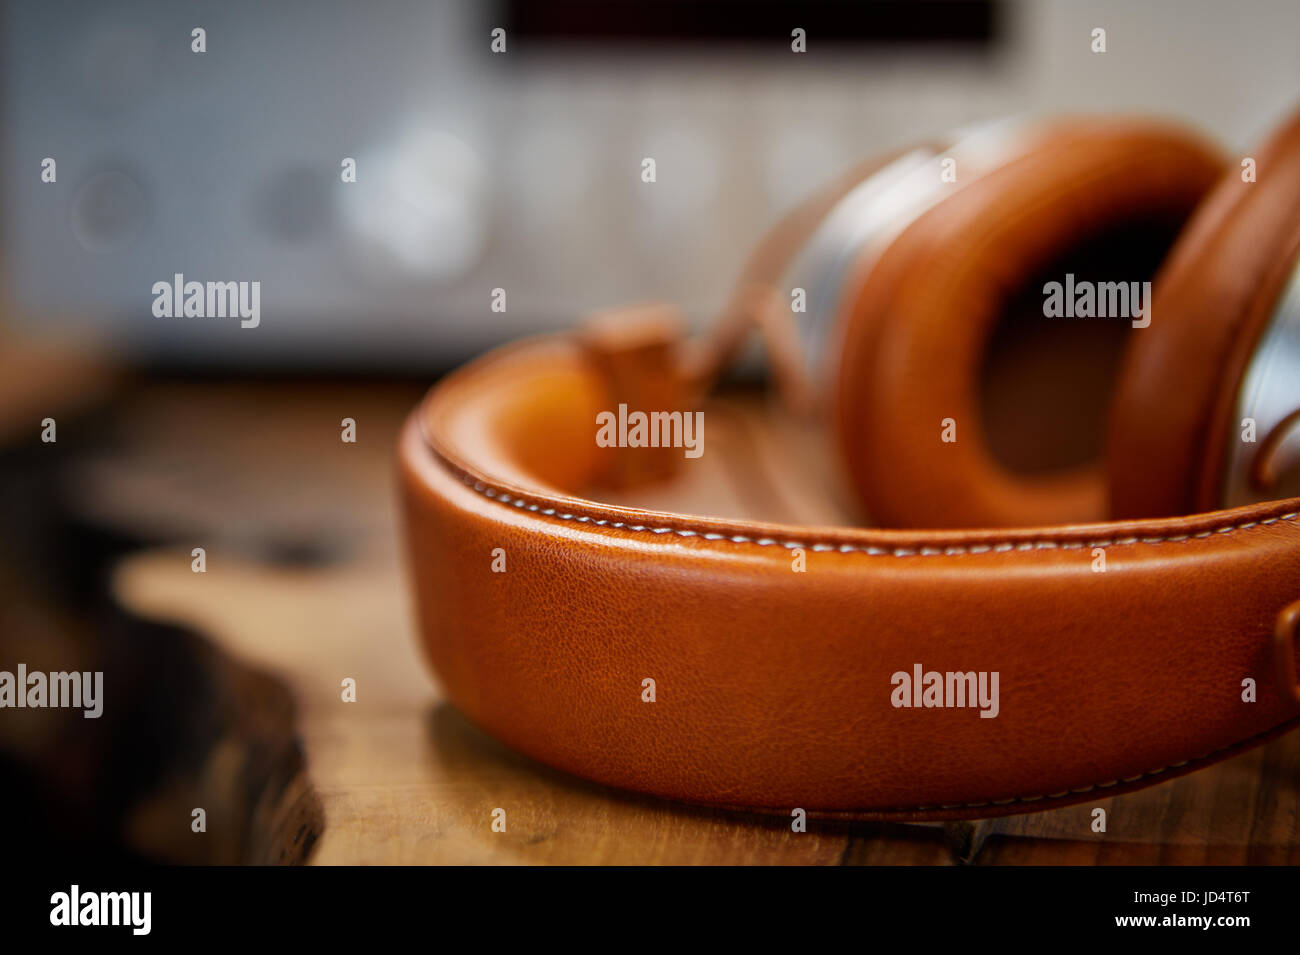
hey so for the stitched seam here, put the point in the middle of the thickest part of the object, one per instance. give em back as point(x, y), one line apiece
point(519, 502)
point(950, 550)
point(1082, 790)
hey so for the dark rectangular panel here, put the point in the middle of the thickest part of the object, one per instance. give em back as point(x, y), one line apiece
point(685, 22)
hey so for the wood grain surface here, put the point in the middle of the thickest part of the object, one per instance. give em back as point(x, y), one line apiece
point(305, 581)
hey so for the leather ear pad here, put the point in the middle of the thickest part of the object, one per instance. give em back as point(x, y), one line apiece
point(917, 328)
point(1173, 414)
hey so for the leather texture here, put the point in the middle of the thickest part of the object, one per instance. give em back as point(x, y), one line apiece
point(917, 330)
point(1175, 397)
point(1123, 648)
point(773, 687)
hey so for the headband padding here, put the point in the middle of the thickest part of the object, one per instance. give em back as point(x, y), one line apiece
point(528, 417)
point(1173, 414)
point(917, 329)
point(774, 686)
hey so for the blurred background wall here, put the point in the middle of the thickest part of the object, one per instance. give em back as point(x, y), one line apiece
point(520, 170)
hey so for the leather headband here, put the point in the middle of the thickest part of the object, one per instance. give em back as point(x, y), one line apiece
point(1214, 298)
point(774, 688)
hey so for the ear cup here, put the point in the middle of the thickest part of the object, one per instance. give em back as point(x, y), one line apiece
point(917, 329)
point(1174, 402)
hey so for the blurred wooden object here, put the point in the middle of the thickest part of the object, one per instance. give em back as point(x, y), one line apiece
point(41, 380)
point(304, 580)
point(182, 726)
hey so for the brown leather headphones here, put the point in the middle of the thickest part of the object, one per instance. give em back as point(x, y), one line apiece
point(1069, 633)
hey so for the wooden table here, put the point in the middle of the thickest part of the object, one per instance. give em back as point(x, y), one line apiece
point(304, 581)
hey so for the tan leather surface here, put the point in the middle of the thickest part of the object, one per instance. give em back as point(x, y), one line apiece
point(773, 687)
point(1173, 411)
point(917, 329)
point(635, 350)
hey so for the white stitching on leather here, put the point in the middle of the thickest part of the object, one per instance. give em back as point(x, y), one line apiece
point(958, 549)
point(1242, 744)
point(954, 550)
